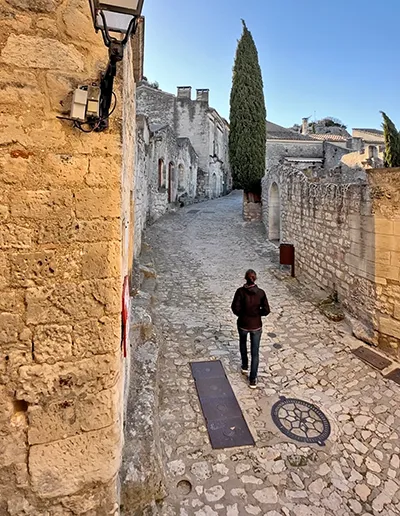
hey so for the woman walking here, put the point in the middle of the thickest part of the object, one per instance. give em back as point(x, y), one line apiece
point(249, 304)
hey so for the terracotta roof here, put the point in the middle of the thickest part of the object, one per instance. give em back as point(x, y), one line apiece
point(328, 137)
point(277, 132)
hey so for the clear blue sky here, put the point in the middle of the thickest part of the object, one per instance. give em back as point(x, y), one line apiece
point(337, 58)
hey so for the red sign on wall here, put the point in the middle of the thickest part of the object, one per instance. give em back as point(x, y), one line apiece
point(126, 301)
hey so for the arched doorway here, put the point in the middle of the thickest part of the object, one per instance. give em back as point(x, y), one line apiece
point(274, 213)
point(171, 182)
point(214, 185)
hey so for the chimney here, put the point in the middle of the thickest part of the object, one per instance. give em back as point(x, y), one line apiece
point(184, 92)
point(304, 126)
point(202, 95)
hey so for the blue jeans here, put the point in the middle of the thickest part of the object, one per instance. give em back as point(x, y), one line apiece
point(255, 337)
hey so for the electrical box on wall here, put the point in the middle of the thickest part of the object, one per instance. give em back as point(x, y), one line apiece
point(93, 102)
point(78, 105)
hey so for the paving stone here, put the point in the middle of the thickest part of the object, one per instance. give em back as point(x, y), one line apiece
point(268, 495)
point(198, 267)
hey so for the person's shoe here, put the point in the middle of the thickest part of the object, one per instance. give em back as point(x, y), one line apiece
point(253, 384)
point(245, 371)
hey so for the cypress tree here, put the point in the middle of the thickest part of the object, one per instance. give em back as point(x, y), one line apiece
point(392, 142)
point(247, 136)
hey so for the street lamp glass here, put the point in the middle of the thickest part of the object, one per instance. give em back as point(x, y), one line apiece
point(116, 22)
point(132, 7)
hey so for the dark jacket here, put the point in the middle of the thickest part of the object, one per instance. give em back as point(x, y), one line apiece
point(250, 303)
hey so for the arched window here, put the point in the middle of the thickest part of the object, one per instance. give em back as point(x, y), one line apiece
point(161, 173)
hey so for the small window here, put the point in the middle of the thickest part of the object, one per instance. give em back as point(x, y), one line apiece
point(161, 173)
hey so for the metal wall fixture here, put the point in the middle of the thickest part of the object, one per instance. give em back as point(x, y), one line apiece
point(91, 104)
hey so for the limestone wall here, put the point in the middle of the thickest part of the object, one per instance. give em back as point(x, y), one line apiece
point(62, 260)
point(346, 240)
point(384, 185)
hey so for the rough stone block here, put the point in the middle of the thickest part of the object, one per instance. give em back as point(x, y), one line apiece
point(387, 243)
point(11, 300)
point(101, 260)
point(37, 6)
point(396, 227)
point(38, 382)
point(42, 204)
point(384, 226)
point(45, 267)
point(395, 259)
point(60, 419)
point(390, 272)
point(35, 52)
point(98, 202)
point(389, 326)
point(13, 236)
point(97, 337)
point(13, 444)
point(98, 230)
point(103, 172)
point(59, 305)
point(66, 169)
point(64, 467)
point(10, 327)
point(108, 293)
point(52, 343)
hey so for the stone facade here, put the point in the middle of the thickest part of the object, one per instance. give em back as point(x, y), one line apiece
point(206, 130)
point(166, 174)
point(344, 236)
point(63, 255)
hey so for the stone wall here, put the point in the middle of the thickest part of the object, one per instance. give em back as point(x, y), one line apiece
point(384, 185)
point(61, 269)
point(345, 241)
point(179, 163)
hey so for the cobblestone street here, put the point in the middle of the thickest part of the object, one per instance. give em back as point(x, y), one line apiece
point(201, 254)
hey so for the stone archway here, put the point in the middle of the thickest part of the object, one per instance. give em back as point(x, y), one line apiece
point(274, 213)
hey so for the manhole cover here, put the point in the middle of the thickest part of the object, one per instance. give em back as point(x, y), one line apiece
point(184, 487)
point(301, 421)
point(372, 358)
point(272, 335)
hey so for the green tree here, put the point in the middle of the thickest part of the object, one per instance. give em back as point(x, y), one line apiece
point(392, 142)
point(248, 127)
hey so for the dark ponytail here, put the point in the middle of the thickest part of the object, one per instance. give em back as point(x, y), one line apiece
point(250, 277)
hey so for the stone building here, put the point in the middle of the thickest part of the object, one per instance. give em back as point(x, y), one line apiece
point(66, 244)
point(196, 121)
point(166, 173)
point(344, 224)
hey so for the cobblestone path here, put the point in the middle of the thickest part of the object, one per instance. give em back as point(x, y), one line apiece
point(201, 254)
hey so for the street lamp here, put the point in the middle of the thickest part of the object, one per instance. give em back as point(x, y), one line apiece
point(117, 20)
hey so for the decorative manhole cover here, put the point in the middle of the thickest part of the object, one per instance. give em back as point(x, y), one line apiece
point(301, 421)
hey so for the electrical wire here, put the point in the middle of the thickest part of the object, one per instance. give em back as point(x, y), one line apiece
point(79, 125)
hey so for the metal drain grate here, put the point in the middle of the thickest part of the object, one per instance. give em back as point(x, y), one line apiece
point(224, 419)
point(394, 376)
point(301, 421)
point(372, 358)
